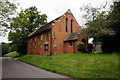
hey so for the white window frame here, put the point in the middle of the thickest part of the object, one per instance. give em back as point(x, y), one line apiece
point(70, 44)
point(53, 35)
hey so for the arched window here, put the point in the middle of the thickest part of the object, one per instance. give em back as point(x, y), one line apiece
point(66, 21)
point(83, 40)
point(71, 24)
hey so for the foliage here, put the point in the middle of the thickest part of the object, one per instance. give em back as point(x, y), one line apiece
point(6, 48)
point(96, 22)
point(25, 22)
point(104, 28)
point(90, 47)
point(81, 46)
point(98, 52)
point(97, 27)
point(90, 12)
point(12, 54)
point(112, 43)
point(77, 65)
point(7, 9)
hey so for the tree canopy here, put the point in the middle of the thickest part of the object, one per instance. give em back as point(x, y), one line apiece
point(7, 9)
point(112, 43)
point(6, 48)
point(104, 27)
point(25, 22)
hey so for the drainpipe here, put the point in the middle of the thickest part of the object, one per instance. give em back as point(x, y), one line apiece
point(51, 42)
point(74, 46)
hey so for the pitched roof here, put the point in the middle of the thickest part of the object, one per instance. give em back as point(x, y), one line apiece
point(71, 36)
point(43, 28)
point(46, 27)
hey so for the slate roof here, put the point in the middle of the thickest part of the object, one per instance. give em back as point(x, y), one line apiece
point(43, 28)
point(71, 37)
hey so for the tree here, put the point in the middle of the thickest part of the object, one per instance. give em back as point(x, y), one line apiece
point(96, 24)
point(6, 48)
point(111, 43)
point(7, 9)
point(25, 22)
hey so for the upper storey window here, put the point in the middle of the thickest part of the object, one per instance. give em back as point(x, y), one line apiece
point(46, 38)
point(71, 24)
point(66, 24)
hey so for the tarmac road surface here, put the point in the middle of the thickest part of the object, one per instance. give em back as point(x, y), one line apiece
point(14, 69)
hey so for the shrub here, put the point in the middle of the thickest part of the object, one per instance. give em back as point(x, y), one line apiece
point(6, 48)
point(12, 54)
point(81, 46)
point(90, 47)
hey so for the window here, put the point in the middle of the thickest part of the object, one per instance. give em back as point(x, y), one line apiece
point(53, 35)
point(46, 38)
point(66, 24)
point(35, 38)
point(70, 44)
point(30, 40)
point(40, 46)
point(55, 45)
point(46, 47)
point(71, 24)
point(41, 38)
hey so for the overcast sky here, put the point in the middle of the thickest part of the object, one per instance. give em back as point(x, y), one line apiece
point(55, 8)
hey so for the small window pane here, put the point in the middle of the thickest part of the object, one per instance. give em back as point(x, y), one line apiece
point(46, 47)
point(53, 35)
point(71, 25)
point(41, 37)
point(66, 24)
point(70, 44)
point(46, 38)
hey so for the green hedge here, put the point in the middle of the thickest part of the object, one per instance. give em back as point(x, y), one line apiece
point(12, 54)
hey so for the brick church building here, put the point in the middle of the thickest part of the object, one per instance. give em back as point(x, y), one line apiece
point(58, 36)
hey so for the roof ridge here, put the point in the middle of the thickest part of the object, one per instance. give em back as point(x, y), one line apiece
point(69, 11)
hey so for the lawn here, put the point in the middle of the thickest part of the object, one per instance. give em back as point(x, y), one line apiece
point(77, 65)
point(12, 54)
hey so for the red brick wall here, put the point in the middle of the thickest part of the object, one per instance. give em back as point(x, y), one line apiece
point(59, 27)
point(73, 49)
point(37, 47)
point(69, 49)
point(58, 46)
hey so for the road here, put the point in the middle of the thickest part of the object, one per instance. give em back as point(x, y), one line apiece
point(13, 68)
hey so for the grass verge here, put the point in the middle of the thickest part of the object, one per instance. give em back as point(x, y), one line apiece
point(77, 65)
point(12, 54)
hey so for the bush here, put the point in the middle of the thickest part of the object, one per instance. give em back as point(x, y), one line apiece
point(6, 48)
point(12, 54)
point(81, 46)
point(90, 47)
